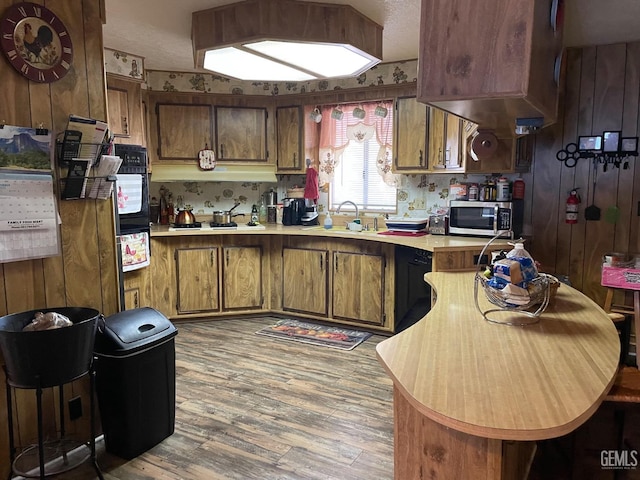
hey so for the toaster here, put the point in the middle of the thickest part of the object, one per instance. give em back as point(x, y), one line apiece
point(438, 225)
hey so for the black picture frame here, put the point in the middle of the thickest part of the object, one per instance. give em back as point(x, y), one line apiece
point(629, 144)
point(590, 143)
point(611, 141)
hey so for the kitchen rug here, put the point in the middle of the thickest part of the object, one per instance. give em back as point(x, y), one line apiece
point(315, 334)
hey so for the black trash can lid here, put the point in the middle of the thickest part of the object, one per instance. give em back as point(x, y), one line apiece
point(132, 330)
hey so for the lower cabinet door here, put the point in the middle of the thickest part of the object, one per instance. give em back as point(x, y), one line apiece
point(241, 278)
point(197, 274)
point(358, 287)
point(305, 280)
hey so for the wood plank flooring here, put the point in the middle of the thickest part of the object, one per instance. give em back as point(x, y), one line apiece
point(254, 407)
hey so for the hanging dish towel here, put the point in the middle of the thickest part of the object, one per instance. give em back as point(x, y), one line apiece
point(311, 190)
point(135, 251)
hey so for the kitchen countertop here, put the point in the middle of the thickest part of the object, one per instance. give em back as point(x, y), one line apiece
point(498, 381)
point(432, 243)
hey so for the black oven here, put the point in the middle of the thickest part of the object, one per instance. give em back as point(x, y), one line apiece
point(133, 169)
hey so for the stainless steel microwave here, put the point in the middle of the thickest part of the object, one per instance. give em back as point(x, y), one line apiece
point(485, 219)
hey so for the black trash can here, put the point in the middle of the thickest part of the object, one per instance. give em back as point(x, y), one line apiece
point(136, 380)
point(48, 358)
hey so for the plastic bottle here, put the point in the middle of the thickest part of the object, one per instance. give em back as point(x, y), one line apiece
point(502, 187)
point(263, 212)
point(524, 258)
point(328, 222)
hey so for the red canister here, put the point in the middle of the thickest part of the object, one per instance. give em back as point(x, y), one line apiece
point(518, 189)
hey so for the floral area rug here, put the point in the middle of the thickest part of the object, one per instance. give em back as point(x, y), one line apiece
point(315, 334)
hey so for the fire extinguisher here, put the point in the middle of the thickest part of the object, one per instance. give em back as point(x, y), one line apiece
point(572, 207)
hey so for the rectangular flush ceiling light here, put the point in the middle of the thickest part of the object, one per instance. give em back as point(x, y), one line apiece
point(326, 59)
point(237, 63)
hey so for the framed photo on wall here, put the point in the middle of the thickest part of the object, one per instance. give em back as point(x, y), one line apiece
point(629, 144)
point(590, 144)
point(611, 141)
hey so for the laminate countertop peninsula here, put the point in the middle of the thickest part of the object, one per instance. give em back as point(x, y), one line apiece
point(472, 396)
point(430, 243)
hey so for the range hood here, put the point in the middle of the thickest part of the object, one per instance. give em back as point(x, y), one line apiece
point(222, 173)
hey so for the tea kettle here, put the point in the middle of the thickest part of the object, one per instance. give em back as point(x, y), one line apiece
point(185, 216)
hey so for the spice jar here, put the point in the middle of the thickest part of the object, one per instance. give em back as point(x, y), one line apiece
point(473, 192)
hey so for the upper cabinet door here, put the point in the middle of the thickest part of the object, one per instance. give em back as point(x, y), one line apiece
point(494, 64)
point(290, 139)
point(183, 130)
point(410, 136)
point(241, 134)
point(125, 113)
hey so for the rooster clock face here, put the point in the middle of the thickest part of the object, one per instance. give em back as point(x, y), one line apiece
point(36, 42)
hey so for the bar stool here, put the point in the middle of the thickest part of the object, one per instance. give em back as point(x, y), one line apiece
point(626, 387)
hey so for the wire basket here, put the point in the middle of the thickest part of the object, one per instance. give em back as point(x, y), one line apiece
point(529, 308)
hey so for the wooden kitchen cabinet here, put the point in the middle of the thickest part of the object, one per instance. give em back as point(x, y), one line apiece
point(242, 278)
point(410, 146)
point(183, 130)
point(305, 282)
point(197, 278)
point(125, 112)
point(289, 125)
point(358, 287)
point(494, 64)
point(241, 134)
point(445, 142)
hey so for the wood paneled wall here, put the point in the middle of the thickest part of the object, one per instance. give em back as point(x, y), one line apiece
point(85, 275)
point(600, 92)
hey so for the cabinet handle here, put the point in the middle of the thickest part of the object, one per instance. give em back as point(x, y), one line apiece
point(211, 257)
point(135, 300)
point(295, 160)
point(440, 157)
point(222, 150)
point(420, 158)
point(125, 125)
point(227, 258)
point(447, 156)
point(335, 262)
point(321, 263)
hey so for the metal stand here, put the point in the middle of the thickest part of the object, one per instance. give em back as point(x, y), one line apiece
point(61, 444)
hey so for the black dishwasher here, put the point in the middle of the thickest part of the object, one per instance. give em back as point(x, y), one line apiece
point(413, 294)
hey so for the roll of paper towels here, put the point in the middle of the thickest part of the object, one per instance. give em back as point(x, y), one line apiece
point(483, 145)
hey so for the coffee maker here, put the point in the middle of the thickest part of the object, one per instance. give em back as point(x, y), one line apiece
point(292, 211)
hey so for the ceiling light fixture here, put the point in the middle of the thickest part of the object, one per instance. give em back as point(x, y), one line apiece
point(285, 40)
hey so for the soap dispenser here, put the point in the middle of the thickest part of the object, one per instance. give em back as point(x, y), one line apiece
point(328, 222)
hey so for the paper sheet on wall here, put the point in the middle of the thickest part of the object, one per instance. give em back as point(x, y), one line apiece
point(129, 193)
point(28, 217)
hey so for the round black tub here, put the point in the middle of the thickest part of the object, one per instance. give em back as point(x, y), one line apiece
point(47, 358)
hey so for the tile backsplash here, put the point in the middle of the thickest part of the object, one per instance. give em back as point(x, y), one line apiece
point(418, 195)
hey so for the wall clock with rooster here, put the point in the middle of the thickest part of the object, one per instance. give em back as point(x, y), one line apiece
point(36, 42)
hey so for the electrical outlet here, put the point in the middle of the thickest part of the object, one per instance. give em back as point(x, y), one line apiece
point(75, 408)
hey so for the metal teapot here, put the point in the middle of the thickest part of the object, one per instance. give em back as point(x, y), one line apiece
point(185, 216)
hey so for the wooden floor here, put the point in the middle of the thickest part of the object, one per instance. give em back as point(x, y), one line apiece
point(254, 407)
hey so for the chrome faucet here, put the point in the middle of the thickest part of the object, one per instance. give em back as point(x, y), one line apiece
point(347, 201)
